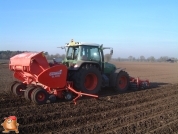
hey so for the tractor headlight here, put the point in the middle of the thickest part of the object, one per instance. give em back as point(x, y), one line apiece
point(75, 65)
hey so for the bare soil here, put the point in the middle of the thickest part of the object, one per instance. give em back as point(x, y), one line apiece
point(153, 110)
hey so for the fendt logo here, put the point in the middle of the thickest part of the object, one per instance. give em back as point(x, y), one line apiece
point(55, 74)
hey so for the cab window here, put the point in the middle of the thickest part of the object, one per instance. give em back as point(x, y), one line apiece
point(94, 54)
point(72, 53)
point(90, 53)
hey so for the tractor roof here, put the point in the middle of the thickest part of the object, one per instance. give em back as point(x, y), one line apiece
point(72, 43)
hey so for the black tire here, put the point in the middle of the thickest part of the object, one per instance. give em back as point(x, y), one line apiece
point(68, 96)
point(39, 96)
point(122, 82)
point(17, 87)
point(52, 98)
point(28, 92)
point(11, 86)
point(88, 79)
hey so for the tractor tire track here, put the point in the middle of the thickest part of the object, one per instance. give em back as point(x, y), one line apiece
point(169, 128)
point(148, 124)
point(120, 124)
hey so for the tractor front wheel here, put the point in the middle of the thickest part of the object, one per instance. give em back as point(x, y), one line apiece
point(88, 79)
point(122, 81)
point(39, 96)
point(18, 89)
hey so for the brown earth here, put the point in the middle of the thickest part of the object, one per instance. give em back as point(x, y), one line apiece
point(153, 110)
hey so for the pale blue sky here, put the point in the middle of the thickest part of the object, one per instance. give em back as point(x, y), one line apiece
point(131, 27)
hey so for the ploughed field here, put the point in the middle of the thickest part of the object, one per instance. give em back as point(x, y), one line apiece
point(153, 110)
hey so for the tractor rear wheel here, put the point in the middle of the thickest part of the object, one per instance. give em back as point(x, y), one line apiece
point(39, 96)
point(18, 89)
point(88, 79)
point(122, 81)
point(28, 92)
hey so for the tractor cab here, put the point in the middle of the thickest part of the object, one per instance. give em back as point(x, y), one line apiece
point(78, 53)
point(83, 52)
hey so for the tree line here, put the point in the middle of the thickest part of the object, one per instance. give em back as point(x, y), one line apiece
point(142, 58)
point(8, 54)
point(149, 59)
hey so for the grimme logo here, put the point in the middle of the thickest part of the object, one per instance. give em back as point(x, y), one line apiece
point(55, 74)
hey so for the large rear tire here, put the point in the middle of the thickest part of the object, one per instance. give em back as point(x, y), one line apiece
point(88, 79)
point(39, 96)
point(122, 82)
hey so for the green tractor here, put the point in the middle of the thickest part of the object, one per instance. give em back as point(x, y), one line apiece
point(89, 71)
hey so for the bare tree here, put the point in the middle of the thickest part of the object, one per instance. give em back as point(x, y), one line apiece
point(142, 58)
point(107, 57)
point(63, 56)
point(131, 58)
point(118, 59)
point(151, 58)
point(163, 58)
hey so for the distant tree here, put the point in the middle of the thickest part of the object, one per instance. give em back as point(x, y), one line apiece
point(131, 58)
point(63, 56)
point(118, 59)
point(142, 58)
point(8, 54)
point(151, 59)
point(107, 57)
point(3, 56)
point(46, 53)
point(163, 58)
point(13, 53)
point(57, 55)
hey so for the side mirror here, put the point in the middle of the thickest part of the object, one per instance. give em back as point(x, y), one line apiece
point(111, 52)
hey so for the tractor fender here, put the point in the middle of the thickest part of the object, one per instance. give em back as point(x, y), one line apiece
point(119, 69)
point(113, 76)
